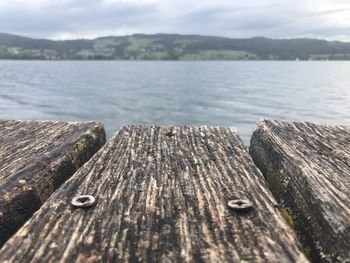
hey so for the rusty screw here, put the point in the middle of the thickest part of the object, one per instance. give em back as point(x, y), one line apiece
point(240, 205)
point(83, 201)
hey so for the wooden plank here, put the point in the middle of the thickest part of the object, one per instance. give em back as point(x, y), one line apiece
point(308, 169)
point(161, 195)
point(36, 157)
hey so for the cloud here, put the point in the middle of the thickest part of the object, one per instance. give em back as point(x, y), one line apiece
point(62, 19)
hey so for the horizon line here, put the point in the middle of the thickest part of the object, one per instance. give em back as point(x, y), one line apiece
point(175, 34)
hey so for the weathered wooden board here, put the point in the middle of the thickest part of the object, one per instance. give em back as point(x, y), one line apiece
point(161, 195)
point(36, 157)
point(308, 169)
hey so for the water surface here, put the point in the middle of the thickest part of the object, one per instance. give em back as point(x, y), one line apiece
point(234, 94)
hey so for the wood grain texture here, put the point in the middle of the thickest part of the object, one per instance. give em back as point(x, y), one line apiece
point(36, 157)
point(161, 196)
point(308, 169)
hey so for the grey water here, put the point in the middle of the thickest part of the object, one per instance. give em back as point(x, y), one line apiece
point(235, 94)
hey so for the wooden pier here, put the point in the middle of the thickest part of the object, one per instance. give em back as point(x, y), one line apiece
point(308, 169)
point(187, 194)
point(36, 157)
point(161, 194)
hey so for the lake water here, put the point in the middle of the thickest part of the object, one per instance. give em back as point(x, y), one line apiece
point(197, 93)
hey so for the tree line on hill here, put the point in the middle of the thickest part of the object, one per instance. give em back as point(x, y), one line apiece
point(172, 47)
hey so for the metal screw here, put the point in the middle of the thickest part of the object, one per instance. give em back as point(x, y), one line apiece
point(22, 181)
point(170, 132)
point(83, 201)
point(240, 205)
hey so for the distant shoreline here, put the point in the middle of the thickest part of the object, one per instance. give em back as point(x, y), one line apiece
point(172, 47)
point(118, 60)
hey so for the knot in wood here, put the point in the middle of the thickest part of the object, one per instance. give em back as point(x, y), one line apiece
point(240, 205)
point(83, 201)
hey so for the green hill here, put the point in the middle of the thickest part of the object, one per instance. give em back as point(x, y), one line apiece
point(173, 47)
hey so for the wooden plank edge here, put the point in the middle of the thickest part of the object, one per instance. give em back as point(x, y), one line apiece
point(291, 199)
point(29, 199)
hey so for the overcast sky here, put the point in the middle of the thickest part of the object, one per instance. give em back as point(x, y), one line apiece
point(70, 19)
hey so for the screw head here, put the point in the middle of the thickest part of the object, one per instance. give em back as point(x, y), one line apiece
point(83, 201)
point(22, 182)
point(170, 133)
point(240, 205)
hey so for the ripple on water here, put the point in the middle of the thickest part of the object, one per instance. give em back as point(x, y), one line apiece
point(198, 93)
